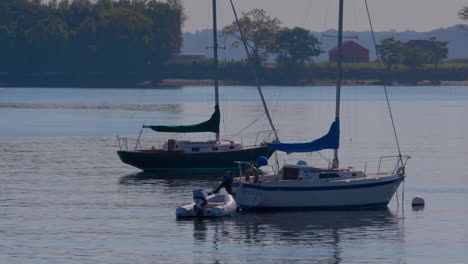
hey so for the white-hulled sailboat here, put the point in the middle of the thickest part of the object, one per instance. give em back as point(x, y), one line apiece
point(299, 187)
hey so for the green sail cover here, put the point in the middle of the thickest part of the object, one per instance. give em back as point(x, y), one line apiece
point(212, 125)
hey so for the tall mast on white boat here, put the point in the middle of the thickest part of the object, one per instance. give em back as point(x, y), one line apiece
point(215, 59)
point(336, 162)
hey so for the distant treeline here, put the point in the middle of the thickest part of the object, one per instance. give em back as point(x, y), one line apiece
point(239, 73)
point(101, 36)
point(306, 74)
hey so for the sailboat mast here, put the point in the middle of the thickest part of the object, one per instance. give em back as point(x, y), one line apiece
point(336, 162)
point(215, 59)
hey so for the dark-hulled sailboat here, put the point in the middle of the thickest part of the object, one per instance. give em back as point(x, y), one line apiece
point(179, 155)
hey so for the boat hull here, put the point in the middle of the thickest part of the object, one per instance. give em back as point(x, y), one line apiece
point(179, 161)
point(213, 209)
point(297, 195)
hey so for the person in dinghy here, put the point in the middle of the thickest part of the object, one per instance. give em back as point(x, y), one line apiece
point(226, 183)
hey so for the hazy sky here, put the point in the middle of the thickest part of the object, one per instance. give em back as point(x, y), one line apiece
point(319, 15)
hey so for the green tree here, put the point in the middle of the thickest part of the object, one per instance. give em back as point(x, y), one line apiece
point(85, 45)
point(48, 44)
point(78, 11)
point(53, 4)
point(86, 33)
point(4, 35)
point(389, 51)
point(463, 13)
point(5, 12)
point(438, 51)
point(25, 14)
point(102, 5)
point(414, 57)
point(97, 35)
point(179, 7)
point(259, 30)
point(295, 46)
point(5, 47)
point(166, 29)
point(124, 39)
point(64, 5)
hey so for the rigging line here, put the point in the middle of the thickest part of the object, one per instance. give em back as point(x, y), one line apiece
point(208, 36)
point(223, 41)
point(254, 72)
point(323, 157)
point(307, 14)
point(384, 84)
point(249, 125)
point(325, 18)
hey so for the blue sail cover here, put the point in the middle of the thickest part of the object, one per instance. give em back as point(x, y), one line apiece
point(330, 141)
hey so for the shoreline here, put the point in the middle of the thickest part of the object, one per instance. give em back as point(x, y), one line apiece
point(182, 82)
point(150, 83)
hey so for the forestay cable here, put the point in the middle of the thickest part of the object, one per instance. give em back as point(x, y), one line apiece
point(384, 84)
point(254, 72)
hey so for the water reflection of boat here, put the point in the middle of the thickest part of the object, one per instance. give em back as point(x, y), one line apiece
point(325, 236)
point(306, 224)
point(312, 223)
point(170, 178)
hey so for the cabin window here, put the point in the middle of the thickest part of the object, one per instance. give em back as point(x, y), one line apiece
point(231, 147)
point(328, 175)
point(354, 174)
point(215, 148)
point(290, 173)
point(195, 149)
point(176, 146)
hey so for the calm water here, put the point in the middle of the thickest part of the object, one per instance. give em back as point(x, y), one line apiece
point(66, 198)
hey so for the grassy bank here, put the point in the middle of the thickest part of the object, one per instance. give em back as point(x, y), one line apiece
point(237, 73)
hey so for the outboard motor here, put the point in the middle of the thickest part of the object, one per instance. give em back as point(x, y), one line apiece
point(200, 202)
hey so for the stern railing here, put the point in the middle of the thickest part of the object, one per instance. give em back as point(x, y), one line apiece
point(127, 143)
point(123, 143)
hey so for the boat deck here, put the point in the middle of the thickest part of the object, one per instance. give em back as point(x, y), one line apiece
point(276, 178)
point(181, 151)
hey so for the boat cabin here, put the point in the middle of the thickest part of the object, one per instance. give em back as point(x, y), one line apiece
point(202, 146)
point(316, 175)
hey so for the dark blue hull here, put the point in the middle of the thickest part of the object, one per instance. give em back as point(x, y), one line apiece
point(179, 161)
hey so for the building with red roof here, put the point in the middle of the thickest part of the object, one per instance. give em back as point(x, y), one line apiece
point(352, 52)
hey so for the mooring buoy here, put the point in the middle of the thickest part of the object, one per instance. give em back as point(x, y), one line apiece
point(417, 201)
